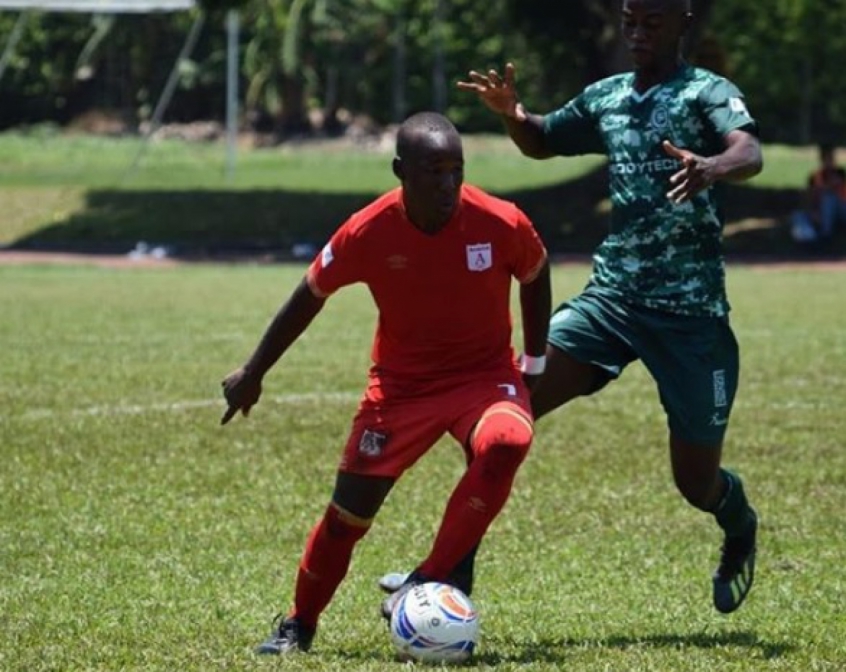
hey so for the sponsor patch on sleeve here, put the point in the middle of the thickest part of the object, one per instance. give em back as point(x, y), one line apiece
point(737, 105)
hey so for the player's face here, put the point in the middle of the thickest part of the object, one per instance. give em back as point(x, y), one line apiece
point(432, 178)
point(653, 30)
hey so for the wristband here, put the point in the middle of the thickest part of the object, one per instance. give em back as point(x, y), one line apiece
point(533, 366)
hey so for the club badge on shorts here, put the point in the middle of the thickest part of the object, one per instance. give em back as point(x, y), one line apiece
point(479, 257)
point(372, 443)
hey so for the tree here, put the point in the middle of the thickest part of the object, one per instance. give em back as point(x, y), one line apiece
point(784, 53)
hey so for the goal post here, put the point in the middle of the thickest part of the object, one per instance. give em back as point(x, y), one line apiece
point(25, 7)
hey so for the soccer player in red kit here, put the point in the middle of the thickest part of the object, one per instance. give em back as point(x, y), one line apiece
point(438, 257)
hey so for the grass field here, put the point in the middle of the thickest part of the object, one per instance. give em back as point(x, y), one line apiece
point(75, 192)
point(137, 534)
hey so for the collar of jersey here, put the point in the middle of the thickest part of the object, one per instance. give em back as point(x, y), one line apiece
point(640, 97)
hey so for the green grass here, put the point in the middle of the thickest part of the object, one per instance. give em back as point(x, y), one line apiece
point(324, 167)
point(75, 192)
point(137, 534)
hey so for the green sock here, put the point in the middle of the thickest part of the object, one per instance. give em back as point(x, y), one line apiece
point(733, 513)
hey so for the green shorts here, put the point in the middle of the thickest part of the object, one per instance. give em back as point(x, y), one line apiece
point(694, 360)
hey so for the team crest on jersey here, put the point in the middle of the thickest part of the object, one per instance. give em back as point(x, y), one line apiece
point(372, 443)
point(660, 118)
point(479, 257)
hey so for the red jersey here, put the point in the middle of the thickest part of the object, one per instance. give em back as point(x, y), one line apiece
point(444, 298)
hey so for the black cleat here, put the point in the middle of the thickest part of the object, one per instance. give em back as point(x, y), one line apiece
point(290, 636)
point(733, 578)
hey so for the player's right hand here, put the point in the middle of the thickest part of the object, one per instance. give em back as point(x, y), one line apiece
point(497, 92)
point(241, 391)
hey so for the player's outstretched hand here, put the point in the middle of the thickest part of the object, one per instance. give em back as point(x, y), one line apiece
point(242, 391)
point(695, 175)
point(495, 91)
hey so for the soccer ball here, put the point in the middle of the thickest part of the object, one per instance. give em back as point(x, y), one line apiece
point(435, 623)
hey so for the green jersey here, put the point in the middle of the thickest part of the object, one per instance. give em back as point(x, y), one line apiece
point(657, 254)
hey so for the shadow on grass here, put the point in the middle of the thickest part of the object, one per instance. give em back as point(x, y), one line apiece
point(196, 223)
point(571, 217)
point(560, 650)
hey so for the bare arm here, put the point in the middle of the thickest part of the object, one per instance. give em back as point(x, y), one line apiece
point(740, 160)
point(535, 308)
point(499, 94)
point(242, 387)
point(527, 134)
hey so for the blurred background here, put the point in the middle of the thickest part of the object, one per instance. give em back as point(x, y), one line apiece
point(318, 65)
point(253, 74)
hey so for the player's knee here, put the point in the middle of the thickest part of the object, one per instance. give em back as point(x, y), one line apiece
point(342, 525)
point(501, 441)
point(698, 493)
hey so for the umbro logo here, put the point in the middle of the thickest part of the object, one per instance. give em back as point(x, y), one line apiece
point(397, 262)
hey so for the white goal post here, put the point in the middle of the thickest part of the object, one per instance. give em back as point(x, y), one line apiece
point(141, 7)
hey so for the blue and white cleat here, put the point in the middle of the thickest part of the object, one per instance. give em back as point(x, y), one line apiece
point(392, 582)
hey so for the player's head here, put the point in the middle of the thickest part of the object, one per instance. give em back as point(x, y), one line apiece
point(826, 150)
point(430, 164)
point(653, 31)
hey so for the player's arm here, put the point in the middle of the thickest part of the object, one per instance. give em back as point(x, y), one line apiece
point(535, 308)
point(242, 387)
point(526, 131)
point(499, 94)
point(740, 160)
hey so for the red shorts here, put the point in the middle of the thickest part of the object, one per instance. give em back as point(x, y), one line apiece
point(398, 421)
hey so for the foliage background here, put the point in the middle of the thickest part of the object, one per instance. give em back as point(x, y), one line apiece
point(319, 65)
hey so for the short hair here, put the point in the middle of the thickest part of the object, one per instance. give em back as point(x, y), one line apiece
point(422, 123)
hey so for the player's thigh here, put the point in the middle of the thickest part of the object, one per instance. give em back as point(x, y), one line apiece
point(695, 363)
point(588, 346)
point(565, 378)
point(390, 433)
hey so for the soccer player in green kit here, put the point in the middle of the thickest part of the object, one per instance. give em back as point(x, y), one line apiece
point(657, 289)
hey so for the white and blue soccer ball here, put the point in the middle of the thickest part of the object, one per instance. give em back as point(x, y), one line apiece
point(435, 623)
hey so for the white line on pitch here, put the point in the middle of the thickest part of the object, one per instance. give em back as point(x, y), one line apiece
point(140, 409)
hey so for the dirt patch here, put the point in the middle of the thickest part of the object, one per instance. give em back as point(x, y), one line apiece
point(22, 257)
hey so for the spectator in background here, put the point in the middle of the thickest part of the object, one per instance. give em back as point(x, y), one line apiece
point(825, 201)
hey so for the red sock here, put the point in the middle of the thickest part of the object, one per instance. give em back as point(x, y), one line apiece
point(325, 562)
point(476, 501)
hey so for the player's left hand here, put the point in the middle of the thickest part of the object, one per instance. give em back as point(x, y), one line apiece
point(696, 174)
point(241, 391)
